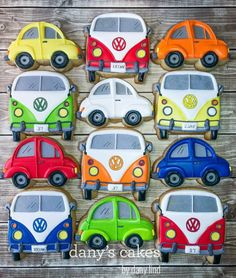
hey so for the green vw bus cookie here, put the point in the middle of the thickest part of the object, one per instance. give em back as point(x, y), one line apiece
point(41, 102)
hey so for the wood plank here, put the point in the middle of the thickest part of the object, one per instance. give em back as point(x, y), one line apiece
point(228, 104)
point(72, 21)
point(116, 3)
point(88, 258)
point(225, 75)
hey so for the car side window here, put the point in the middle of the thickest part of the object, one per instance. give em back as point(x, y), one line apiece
point(124, 210)
point(201, 151)
point(48, 151)
point(103, 89)
point(180, 151)
point(52, 83)
point(180, 33)
point(104, 211)
point(207, 35)
point(121, 89)
point(32, 33)
point(27, 150)
point(50, 33)
point(198, 32)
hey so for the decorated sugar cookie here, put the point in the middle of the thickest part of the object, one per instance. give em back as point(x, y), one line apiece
point(43, 43)
point(40, 221)
point(191, 41)
point(115, 160)
point(110, 214)
point(114, 99)
point(40, 158)
point(41, 102)
point(187, 102)
point(190, 158)
point(190, 221)
point(117, 44)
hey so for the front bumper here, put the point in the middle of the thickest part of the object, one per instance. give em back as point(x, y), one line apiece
point(175, 248)
point(172, 125)
point(103, 186)
point(51, 247)
point(22, 126)
point(104, 66)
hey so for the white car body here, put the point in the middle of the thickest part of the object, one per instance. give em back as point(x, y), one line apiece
point(115, 105)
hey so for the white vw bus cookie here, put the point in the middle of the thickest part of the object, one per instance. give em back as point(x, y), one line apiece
point(41, 102)
point(115, 160)
point(114, 99)
point(40, 221)
point(118, 44)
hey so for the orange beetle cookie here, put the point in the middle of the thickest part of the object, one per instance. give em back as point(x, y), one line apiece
point(194, 42)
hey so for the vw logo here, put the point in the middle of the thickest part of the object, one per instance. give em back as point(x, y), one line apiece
point(193, 225)
point(39, 225)
point(116, 162)
point(40, 104)
point(119, 44)
point(190, 101)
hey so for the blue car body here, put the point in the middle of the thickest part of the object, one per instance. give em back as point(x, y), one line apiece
point(193, 161)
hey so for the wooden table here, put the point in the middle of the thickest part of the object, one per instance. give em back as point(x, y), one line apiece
point(160, 15)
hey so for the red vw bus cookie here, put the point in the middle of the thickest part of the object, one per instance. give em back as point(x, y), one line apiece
point(117, 43)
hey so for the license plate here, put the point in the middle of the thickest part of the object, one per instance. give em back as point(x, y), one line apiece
point(40, 128)
point(192, 249)
point(189, 126)
point(39, 248)
point(115, 187)
point(118, 67)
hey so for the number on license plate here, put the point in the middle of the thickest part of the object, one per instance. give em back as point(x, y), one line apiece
point(189, 126)
point(192, 249)
point(38, 248)
point(40, 128)
point(115, 187)
point(118, 67)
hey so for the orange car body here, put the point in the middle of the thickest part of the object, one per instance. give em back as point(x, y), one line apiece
point(196, 39)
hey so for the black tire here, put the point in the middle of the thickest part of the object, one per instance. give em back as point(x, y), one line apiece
point(210, 178)
point(97, 118)
point(91, 76)
point(20, 180)
point(87, 193)
point(141, 195)
point(66, 255)
point(174, 179)
point(57, 179)
point(163, 134)
point(133, 118)
point(97, 241)
point(164, 257)
point(24, 61)
point(141, 77)
point(59, 60)
point(16, 136)
point(214, 134)
point(16, 256)
point(209, 60)
point(216, 259)
point(134, 241)
point(174, 59)
point(67, 135)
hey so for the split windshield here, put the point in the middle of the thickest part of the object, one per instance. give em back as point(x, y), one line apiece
point(115, 24)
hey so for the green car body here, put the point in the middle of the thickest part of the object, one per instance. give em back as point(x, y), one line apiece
point(40, 110)
point(115, 227)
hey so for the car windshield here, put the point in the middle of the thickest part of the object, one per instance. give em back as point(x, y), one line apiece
point(116, 142)
point(189, 203)
point(115, 24)
point(186, 81)
point(40, 83)
point(35, 203)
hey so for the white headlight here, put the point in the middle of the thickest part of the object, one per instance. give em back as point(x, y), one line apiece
point(167, 110)
point(211, 111)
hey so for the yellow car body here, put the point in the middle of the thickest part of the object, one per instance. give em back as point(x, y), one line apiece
point(41, 41)
point(188, 110)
